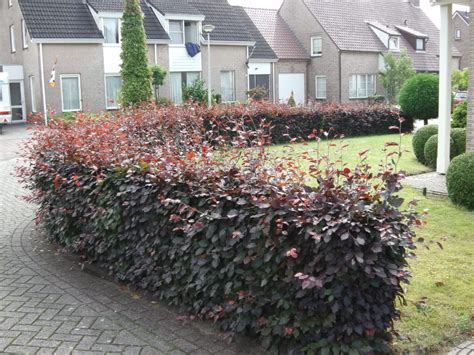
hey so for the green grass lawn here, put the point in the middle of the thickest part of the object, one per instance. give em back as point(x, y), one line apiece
point(375, 144)
point(440, 309)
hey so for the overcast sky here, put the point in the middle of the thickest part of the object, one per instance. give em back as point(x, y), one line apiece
point(433, 11)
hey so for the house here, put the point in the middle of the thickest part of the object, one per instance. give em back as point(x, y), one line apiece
point(81, 40)
point(290, 70)
point(461, 35)
point(347, 41)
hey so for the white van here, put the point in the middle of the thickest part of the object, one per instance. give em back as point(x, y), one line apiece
point(5, 108)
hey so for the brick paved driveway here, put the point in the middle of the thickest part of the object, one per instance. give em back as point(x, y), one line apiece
point(48, 305)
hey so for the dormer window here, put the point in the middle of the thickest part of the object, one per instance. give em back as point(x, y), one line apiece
point(420, 44)
point(111, 30)
point(182, 32)
point(394, 43)
point(387, 35)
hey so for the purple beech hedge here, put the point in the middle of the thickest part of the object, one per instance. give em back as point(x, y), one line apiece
point(308, 261)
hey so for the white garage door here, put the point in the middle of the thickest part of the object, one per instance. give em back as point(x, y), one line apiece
point(291, 83)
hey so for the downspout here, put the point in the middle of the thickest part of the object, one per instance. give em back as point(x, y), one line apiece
point(43, 89)
point(340, 76)
point(156, 53)
point(274, 84)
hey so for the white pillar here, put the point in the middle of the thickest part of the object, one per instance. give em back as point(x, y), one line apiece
point(445, 89)
point(43, 84)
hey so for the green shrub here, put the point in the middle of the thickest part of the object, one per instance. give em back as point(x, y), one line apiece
point(460, 115)
point(292, 101)
point(230, 237)
point(460, 180)
point(258, 93)
point(419, 140)
point(419, 97)
point(458, 146)
point(458, 136)
point(196, 92)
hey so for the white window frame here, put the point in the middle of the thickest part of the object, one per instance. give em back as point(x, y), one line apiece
point(119, 20)
point(423, 45)
point(12, 39)
point(319, 54)
point(78, 76)
point(24, 34)
point(234, 91)
point(396, 47)
point(107, 106)
point(182, 33)
point(457, 33)
point(357, 97)
point(31, 80)
point(319, 97)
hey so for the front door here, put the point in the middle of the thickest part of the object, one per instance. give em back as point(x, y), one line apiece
point(16, 100)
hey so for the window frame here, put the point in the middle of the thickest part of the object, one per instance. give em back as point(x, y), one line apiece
point(423, 45)
point(12, 39)
point(316, 87)
point(78, 76)
point(119, 26)
point(234, 92)
point(395, 48)
point(319, 54)
point(181, 22)
point(456, 31)
point(107, 107)
point(358, 97)
point(24, 34)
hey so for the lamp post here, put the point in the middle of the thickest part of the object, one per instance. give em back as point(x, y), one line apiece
point(208, 29)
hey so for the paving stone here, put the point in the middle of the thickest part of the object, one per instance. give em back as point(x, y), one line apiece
point(48, 305)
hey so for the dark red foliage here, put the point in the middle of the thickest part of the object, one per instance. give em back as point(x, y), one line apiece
point(311, 261)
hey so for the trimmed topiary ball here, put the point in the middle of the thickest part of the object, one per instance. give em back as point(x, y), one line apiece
point(460, 180)
point(458, 136)
point(431, 151)
point(419, 97)
point(419, 140)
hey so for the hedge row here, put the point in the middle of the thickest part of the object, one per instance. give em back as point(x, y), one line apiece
point(295, 122)
point(228, 234)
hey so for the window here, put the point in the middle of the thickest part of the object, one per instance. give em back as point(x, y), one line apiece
point(362, 86)
point(32, 93)
point(394, 43)
point(458, 34)
point(190, 32)
point(71, 92)
point(178, 80)
point(321, 87)
point(24, 34)
point(176, 32)
point(262, 80)
point(12, 39)
point(227, 86)
point(316, 46)
point(111, 30)
point(420, 44)
point(113, 84)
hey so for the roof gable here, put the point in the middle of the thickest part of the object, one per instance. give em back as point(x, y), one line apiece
point(345, 22)
point(59, 19)
point(277, 33)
